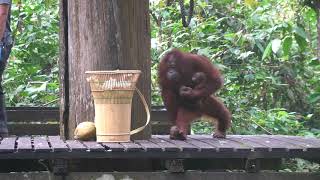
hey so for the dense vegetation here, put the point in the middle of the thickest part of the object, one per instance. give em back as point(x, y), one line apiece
point(266, 51)
point(31, 77)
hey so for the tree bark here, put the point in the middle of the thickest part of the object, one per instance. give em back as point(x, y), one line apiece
point(63, 68)
point(104, 35)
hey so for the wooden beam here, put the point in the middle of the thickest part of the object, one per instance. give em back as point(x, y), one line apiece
point(63, 69)
point(20, 118)
point(164, 175)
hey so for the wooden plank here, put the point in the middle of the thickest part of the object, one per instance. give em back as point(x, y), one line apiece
point(204, 147)
point(63, 69)
point(149, 146)
point(33, 129)
point(166, 146)
point(183, 145)
point(309, 140)
point(195, 175)
point(222, 145)
point(159, 120)
point(33, 114)
point(57, 144)
point(307, 145)
point(131, 147)
point(274, 144)
point(41, 144)
point(8, 144)
point(94, 146)
point(76, 146)
point(24, 144)
point(115, 147)
point(304, 143)
point(164, 175)
point(254, 145)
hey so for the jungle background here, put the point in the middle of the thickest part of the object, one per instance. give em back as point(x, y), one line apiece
point(266, 50)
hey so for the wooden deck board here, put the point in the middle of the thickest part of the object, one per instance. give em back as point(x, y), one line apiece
point(309, 144)
point(94, 146)
point(223, 145)
point(8, 145)
point(204, 147)
point(160, 146)
point(131, 147)
point(41, 144)
point(149, 146)
point(57, 144)
point(274, 144)
point(254, 145)
point(114, 147)
point(166, 146)
point(183, 145)
point(75, 145)
point(24, 144)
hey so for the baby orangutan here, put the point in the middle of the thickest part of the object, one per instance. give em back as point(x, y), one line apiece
point(188, 82)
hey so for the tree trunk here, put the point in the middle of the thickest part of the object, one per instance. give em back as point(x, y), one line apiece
point(103, 35)
point(63, 68)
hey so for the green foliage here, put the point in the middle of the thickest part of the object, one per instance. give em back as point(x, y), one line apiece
point(201, 127)
point(266, 53)
point(31, 77)
point(265, 49)
point(300, 165)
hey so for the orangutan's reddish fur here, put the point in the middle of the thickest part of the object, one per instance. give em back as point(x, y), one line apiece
point(186, 101)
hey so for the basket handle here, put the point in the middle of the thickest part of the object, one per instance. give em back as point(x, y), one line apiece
point(147, 111)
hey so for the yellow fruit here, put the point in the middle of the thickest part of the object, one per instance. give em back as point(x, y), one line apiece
point(85, 131)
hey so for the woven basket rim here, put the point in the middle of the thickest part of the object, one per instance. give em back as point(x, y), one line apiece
point(114, 72)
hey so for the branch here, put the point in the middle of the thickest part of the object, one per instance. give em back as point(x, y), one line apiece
point(157, 20)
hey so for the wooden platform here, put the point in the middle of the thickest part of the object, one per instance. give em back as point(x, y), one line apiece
point(160, 146)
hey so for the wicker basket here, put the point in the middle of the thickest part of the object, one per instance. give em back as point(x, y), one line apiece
point(112, 92)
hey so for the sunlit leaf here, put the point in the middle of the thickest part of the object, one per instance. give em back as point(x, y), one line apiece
point(251, 2)
point(287, 43)
point(267, 51)
point(245, 54)
point(276, 44)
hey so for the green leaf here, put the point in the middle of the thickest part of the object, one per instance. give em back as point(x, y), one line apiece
point(245, 54)
point(276, 44)
point(267, 51)
point(301, 42)
point(314, 97)
point(300, 31)
point(314, 62)
point(301, 37)
point(258, 44)
point(287, 44)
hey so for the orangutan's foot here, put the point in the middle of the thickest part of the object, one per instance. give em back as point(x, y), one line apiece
point(219, 134)
point(177, 134)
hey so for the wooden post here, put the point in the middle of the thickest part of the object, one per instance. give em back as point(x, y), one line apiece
point(101, 35)
point(63, 68)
